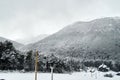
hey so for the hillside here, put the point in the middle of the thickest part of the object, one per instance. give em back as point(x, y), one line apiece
point(16, 44)
point(96, 39)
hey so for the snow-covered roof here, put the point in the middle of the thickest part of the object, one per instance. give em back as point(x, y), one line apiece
point(103, 66)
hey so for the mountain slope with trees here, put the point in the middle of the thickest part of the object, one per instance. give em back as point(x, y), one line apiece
point(96, 39)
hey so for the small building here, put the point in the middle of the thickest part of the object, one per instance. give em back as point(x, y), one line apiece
point(103, 68)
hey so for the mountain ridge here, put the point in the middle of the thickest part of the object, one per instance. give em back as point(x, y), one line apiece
point(16, 44)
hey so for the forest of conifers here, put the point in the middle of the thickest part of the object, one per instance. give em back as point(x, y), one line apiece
point(12, 59)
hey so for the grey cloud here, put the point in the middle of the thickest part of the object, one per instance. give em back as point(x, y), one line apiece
point(26, 18)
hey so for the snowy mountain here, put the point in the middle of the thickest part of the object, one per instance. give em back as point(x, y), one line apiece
point(16, 44)
point(96, 39)
point(32, 39)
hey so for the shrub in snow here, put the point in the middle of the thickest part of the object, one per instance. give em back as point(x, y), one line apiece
point(108, 75)
point(118, 74)
point(22, 71)
point(116, 66)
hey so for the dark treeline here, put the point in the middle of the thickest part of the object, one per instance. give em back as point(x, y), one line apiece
point(12, 59)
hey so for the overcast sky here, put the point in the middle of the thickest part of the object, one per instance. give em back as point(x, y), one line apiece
point(21, 19)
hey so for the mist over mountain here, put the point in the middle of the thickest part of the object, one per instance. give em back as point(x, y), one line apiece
point(16, 44)
point(98, 39)
point(32, 39)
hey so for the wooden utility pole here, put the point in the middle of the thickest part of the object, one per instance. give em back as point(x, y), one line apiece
point(36, 65)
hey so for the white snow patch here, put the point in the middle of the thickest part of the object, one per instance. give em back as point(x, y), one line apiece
point(110, 25)
point(47, 76)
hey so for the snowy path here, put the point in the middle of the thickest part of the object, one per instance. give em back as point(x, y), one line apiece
point(47, 76)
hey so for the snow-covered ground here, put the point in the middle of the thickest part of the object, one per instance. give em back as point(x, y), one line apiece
point(47, 76)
